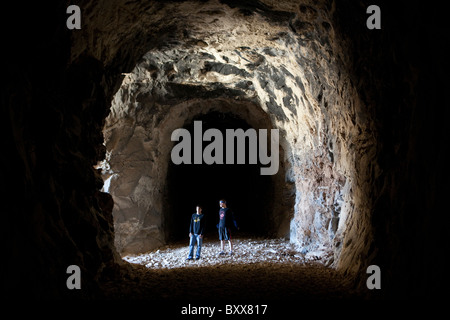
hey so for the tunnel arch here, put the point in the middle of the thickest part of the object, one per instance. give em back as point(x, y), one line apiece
point(296, 75)
point(138, 175)
point(389, 130)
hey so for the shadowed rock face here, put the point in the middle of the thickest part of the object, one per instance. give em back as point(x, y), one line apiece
point(356, 142)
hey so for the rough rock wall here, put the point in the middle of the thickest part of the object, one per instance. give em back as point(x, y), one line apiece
point(54, 114)
point(396, 74)
point(288, 64)
point(399, 73)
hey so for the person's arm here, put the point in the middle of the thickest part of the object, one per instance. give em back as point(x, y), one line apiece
point(234, 220)
point(191, 227)
point(202, 226)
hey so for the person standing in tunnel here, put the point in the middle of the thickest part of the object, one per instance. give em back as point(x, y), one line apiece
point(226, 221)
point(196, 231)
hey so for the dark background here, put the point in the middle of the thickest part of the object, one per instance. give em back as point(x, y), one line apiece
point(247, 192)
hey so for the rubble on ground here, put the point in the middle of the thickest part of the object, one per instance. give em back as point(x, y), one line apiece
point(245, 251)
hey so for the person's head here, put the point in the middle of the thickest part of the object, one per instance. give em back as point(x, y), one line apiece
point(199, 209)
point(222, 203)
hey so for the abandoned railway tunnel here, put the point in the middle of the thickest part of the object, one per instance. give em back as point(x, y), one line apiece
point(90, 120)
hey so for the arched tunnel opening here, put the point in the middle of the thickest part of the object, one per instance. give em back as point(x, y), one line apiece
point(250, 194)
point(89, 117)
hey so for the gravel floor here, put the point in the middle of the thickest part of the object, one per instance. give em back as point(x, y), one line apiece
point(259, 269)
point(245, 251)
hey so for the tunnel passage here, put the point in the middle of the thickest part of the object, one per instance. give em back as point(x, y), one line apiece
point(380, 86)
point(154, 198)
point(284, 77)
point(378, 120)
point(250, 194)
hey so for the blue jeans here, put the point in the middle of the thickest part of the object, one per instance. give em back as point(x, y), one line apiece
point(199, 240)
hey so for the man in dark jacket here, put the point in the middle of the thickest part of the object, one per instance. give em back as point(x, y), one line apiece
point(226, 221)
point(196, 231)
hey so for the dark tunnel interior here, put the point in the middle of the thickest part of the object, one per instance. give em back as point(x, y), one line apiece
point(59, 84)
point(247, 192)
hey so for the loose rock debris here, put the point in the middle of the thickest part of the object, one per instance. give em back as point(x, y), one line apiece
point(245, 251)
point(266, 269)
